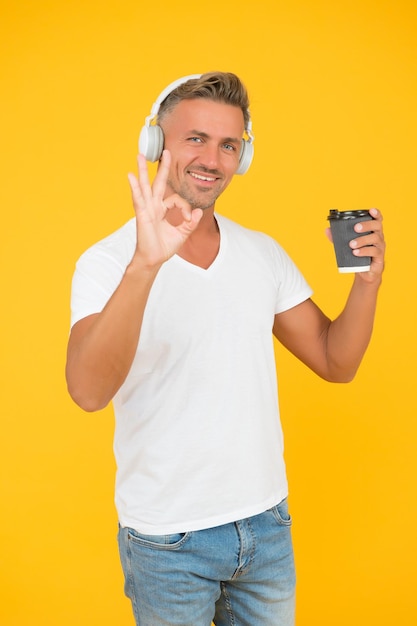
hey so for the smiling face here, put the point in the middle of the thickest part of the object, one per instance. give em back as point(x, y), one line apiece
point(204, 138)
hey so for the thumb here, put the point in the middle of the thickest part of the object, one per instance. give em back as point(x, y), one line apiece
point(328, 233)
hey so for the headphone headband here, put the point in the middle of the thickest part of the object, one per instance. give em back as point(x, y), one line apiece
point(165, 93)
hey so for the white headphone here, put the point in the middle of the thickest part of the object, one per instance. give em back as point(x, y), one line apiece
point(151, 138)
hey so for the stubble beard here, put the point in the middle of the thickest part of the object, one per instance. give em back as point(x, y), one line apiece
point(203, 200)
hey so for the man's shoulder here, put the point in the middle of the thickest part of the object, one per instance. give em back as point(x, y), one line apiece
point(236, 229)
point(230, 224)
point(119, 244)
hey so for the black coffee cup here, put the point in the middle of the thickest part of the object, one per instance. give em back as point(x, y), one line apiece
point(342, 227)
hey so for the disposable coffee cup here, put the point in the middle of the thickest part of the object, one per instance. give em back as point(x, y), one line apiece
point(342, 228)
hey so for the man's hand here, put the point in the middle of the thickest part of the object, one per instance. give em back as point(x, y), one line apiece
point(372, 245)
point(157, 238)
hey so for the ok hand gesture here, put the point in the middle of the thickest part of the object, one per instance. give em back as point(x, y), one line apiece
point(157, 238)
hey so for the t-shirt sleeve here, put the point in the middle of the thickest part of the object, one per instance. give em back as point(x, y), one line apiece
point(292, 288)
point(96, 277)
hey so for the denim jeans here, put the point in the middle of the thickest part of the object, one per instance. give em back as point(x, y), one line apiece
point(239, 574)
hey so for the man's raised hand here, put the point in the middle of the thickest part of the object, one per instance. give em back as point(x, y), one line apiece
point(157, 238)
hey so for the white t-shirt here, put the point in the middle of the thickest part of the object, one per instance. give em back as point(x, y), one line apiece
point(198, 439)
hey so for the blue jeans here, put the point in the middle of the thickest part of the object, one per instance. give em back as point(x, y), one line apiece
point(239, 574)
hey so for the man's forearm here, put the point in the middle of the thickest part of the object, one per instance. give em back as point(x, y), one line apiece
point(350, 333)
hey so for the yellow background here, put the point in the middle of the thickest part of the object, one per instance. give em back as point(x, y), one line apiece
point(334, 101)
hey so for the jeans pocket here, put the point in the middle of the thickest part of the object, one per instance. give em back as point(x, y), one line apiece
point(158, 542)
point(281, 513)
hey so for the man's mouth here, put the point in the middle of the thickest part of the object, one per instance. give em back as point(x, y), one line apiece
point(203, 177)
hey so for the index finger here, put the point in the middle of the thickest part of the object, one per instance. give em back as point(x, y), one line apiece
point(374, 225)
point(144, 184)
point(376, 214)
point(160, 181)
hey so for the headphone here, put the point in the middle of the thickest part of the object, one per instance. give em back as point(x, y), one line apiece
point(151, 138)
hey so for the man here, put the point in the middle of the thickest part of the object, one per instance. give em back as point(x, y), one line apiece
point(172, 320)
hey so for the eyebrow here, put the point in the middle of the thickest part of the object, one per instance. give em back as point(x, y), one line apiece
point(204, 135)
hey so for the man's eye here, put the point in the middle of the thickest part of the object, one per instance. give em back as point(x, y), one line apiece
point(195, 139)
point(229, 146)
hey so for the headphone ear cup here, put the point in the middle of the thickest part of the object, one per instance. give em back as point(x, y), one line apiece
point(151, 142)
point(246, 156)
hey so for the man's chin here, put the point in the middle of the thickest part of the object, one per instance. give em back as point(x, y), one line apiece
point(202, 201)
point(199, 199)
point(202, 206)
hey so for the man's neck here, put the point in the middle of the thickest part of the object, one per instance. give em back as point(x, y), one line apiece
point(202, 246)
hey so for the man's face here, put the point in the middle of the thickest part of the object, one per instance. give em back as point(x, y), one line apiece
point(204, 139)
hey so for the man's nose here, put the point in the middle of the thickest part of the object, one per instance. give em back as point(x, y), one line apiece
point(210, 156)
